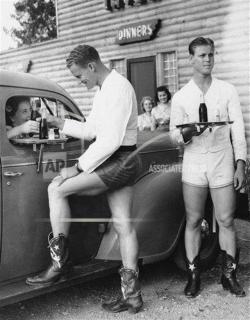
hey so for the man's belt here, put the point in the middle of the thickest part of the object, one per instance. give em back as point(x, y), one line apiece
point(127, 148)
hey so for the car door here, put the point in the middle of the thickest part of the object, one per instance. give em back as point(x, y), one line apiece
point(25, 213)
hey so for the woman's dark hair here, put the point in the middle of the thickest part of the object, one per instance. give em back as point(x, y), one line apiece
point(200, 42)
point(82, 55)
point(160, 89)
point(12, 107)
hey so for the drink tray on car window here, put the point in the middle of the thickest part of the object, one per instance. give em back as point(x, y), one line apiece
point(209, 124)
point(36, 141)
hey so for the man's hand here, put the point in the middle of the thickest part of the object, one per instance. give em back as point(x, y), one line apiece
point(70, 172)
point(55, 121)
point(240, 175)
point(193, 130)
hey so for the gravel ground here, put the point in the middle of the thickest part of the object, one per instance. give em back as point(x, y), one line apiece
point(162, 293)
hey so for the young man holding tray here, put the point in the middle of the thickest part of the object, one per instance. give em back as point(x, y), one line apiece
point(214, 160)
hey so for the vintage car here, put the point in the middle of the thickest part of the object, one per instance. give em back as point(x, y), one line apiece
point(29, 164)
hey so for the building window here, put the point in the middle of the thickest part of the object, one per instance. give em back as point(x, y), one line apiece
point(119, 66)
point(168, 70)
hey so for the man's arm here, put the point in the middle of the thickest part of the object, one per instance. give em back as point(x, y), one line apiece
point(73, 128)
point(237, 128)
point(240, 174)
point(238, 138)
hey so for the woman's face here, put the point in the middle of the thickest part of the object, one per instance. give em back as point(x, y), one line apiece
point(162, 96)
point(23, 113)
point(147, 105)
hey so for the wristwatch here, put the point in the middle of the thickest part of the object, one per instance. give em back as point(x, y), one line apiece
point(77, 167)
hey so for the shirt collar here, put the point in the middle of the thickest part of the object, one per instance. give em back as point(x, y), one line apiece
point(107, 79)
point(196, 88)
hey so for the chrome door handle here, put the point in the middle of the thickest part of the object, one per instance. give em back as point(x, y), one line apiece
point(12, 174)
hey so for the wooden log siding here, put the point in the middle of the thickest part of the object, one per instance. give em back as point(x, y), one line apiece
point(87, 21)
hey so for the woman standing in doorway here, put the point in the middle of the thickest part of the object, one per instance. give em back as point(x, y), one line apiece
point(163, 109)
point(146, 121)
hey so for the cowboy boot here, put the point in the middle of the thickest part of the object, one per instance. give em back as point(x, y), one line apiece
point(60, 263)
point(193, 286)
point(131, 299)
point(228, 277)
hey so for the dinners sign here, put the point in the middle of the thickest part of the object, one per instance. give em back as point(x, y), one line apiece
point(135, 32)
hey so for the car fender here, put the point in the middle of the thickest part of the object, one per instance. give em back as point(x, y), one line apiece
point(157, 214)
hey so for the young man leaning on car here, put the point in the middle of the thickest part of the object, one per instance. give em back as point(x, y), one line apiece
point(107, 165)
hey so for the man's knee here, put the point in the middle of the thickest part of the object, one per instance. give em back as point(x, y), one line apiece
point(122, 226)
point(193, 222)
point(53, 188)
point(226, 220)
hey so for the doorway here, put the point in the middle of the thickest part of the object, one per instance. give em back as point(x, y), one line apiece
point(142, 75)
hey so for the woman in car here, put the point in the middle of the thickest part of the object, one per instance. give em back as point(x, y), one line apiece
point(146, 121)
point(18, 115)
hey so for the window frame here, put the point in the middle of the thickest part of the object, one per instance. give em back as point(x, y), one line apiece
point(123, 61)
point(7, 147)
point(160, 74)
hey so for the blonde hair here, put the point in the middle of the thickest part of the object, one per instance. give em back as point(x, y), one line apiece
point(82, 55)
point(144, 99)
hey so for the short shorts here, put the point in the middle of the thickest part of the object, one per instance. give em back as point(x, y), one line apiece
point(120, 170)
point(211, 169)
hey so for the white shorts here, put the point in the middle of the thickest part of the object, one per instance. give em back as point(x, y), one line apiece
point(211, 169)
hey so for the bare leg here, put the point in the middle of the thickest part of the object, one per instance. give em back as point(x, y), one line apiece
point(120, 202)
point(224, 204)
point(195, 199)
point(58, 191)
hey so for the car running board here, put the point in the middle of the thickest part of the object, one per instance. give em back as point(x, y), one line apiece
point(19, 291)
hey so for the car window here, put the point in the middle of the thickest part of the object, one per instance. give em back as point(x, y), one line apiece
point(52, 152)
point(54, 107)
point(20, 109)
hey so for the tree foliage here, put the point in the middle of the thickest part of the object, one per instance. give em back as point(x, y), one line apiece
point(37, 19)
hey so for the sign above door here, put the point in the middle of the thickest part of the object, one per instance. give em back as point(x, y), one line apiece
point(140, 31)
point(113, 5)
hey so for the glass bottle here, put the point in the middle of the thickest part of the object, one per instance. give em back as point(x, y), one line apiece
point(202, 110)
point(43, 128)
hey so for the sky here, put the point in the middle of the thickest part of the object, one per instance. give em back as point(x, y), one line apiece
point(6, 9)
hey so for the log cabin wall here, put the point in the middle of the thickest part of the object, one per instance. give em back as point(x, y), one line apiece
point(88, 21)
